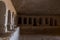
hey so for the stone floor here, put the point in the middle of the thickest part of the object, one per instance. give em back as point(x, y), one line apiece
point(38, 37)
point(37, 34)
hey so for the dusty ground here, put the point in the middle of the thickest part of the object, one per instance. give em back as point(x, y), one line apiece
point(40, 34)
point(50, 31)
point(38, 37)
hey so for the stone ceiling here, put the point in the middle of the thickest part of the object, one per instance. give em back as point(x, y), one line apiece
point(37, 6)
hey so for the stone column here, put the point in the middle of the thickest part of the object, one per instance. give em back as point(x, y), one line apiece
point(11, 21)
point(6, 20)
point(22, 20)
point(27, 20)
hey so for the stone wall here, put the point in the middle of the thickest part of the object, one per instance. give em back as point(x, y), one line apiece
point(6, 5)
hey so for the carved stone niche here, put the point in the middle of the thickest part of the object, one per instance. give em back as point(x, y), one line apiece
point(2, 16)
point(9, 21)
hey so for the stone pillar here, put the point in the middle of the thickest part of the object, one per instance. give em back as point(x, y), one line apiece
point(11, 22)
point(6, 20)
point(23, 21)
point(32, 21)
point(27, 21)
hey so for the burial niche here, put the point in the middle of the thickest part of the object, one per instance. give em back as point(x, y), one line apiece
point(2, 16)
point(34, 22)
point(9, 20)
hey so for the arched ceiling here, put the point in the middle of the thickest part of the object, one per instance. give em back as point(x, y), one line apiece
point(37, 6)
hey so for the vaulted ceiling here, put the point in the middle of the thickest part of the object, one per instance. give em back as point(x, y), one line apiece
point(37, 6)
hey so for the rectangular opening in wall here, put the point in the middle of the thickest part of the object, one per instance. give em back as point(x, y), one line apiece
point(51, 21)
point(19, 20)
point(30, 20)
point(25, 21)
point(46, 20)
point(34, 22)
point(40, 20)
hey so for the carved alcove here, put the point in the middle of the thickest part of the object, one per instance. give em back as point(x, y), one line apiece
point(2, 16)
point(9, 20)
point(10, 24)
